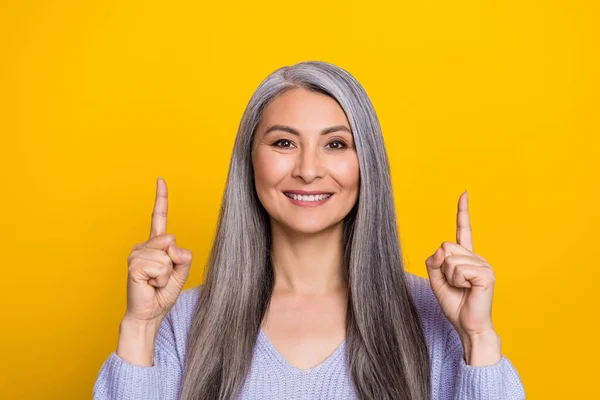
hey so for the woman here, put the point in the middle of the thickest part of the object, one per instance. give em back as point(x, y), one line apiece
point(306, 296)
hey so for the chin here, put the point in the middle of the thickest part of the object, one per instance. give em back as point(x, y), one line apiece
point(307, 228)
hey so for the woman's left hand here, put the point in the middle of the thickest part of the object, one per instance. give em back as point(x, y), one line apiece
point(463, 283)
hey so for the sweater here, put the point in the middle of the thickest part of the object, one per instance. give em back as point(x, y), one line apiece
point(271, 377)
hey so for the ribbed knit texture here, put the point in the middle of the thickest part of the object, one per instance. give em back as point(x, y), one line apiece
point(271, 377)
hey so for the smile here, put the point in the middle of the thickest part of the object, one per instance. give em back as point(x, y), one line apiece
point(308, 200)
point(311, 197)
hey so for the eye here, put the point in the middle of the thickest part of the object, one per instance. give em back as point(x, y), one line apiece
point(284, 141)
point(339, 144)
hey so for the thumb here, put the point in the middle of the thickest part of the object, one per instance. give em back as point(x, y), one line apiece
point(182, 260)
point(434, 264)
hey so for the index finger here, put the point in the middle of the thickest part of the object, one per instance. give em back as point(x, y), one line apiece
point(464, 234)
point(159, 214)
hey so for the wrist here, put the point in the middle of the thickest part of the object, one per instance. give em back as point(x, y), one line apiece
point(482, 349)
point(136, 341)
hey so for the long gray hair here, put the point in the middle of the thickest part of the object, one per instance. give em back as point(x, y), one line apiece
point(387, 352)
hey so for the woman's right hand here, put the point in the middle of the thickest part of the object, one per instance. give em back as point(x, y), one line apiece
point(158, 268)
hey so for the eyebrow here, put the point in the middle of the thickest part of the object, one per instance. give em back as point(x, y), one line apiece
point(293, 131)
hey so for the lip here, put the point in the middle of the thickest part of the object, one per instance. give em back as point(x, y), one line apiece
point(309, 204)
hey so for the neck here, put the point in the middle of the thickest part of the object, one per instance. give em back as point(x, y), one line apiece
point(308, 264)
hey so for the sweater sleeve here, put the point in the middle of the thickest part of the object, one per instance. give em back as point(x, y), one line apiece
point(461, 381)
point(452, 377)
point(120, 380)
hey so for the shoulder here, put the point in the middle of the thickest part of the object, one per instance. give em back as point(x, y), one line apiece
point(419, 287)
point(439, 332)
point(181, 314)
point(422, 295)
point(173, 332)
point(188, 299)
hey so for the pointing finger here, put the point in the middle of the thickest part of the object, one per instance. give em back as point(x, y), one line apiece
point(464, 234)
point(159, 214)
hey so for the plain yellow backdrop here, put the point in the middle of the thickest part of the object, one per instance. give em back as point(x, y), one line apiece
point(98, 98)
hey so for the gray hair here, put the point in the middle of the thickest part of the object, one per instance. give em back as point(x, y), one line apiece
point(386, 348)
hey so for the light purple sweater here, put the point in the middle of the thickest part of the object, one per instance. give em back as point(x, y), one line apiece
point(271, 377)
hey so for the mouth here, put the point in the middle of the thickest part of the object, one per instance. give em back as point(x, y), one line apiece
point(308, 198)
point(311, 200)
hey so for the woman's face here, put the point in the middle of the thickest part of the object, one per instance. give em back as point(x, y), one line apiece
point(303, 143)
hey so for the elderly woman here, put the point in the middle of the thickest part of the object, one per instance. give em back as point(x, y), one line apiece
point(306, 296)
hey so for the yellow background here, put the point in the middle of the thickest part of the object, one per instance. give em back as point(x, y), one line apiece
point(98, 98)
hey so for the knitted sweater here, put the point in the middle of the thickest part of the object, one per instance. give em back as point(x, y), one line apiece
point(271, 377)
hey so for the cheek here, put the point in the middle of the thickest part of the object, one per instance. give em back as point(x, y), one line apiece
point(269, 168)
point(346, 172)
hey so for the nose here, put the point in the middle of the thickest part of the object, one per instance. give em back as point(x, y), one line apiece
point(309, 165)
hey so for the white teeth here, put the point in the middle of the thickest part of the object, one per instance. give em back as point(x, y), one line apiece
point(317, 197)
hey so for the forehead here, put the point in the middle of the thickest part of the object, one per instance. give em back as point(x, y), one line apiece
point(304, 109)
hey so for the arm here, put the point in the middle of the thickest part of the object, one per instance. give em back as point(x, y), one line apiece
point(153, 370)
point(494, 381)
point(463, 283)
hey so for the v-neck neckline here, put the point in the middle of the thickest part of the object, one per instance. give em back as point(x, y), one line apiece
point(273, 350)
